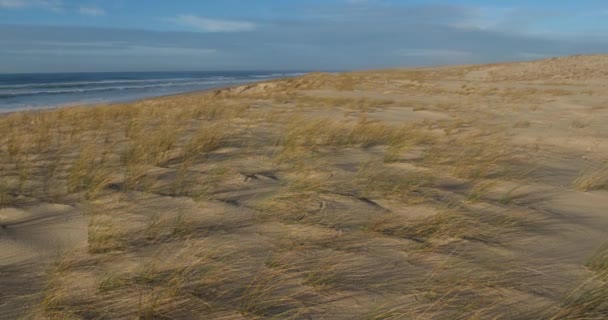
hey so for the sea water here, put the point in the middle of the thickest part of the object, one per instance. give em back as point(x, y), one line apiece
point(36, 91)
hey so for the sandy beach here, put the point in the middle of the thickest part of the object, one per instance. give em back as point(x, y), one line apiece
point(454, 192)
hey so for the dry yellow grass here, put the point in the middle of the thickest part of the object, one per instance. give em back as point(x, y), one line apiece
point(266, 202)
point(599, 261)
point(591, 179)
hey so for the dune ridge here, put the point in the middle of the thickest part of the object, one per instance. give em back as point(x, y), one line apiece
point(463, 192)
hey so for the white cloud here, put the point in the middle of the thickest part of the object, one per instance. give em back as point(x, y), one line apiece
point(167, 51)
point(212, 25)
point(92, 11)
point(433, 53)
point(13, 3)
point(114, 49)
point(52, 5)
point(55, 5)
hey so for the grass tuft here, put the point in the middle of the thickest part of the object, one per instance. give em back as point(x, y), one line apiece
point(592, 179)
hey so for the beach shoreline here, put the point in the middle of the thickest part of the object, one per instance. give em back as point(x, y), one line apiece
point(111, 103)
point(122, 100)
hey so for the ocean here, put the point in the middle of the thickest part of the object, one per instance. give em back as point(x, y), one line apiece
point(36, 91)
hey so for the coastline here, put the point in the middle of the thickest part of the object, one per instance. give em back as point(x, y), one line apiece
point(95, 104)
point(151, 97)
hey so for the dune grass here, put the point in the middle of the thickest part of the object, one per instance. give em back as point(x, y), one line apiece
point(599, 261)
point(250, 203)
point(592, 179)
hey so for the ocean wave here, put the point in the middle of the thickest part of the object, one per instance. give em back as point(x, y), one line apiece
point(106, 82)
point(22, 93)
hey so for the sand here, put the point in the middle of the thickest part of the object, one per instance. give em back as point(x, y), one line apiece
point(464, 192)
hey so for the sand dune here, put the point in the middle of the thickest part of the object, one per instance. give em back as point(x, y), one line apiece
point(464, 192)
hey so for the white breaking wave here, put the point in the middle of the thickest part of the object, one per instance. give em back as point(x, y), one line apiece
point(36, 92)
point(102, 82)
point(16, 93)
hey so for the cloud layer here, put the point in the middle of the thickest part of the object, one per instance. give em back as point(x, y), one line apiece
point(13, 3)
point(212, 25)
point(91, 11)
point(53, 6)
point(360, 34)
point(17, 4)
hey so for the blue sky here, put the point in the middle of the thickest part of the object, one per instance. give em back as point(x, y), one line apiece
point(133, 35)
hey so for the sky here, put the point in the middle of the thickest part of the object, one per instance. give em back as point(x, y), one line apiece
point(162, 35)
